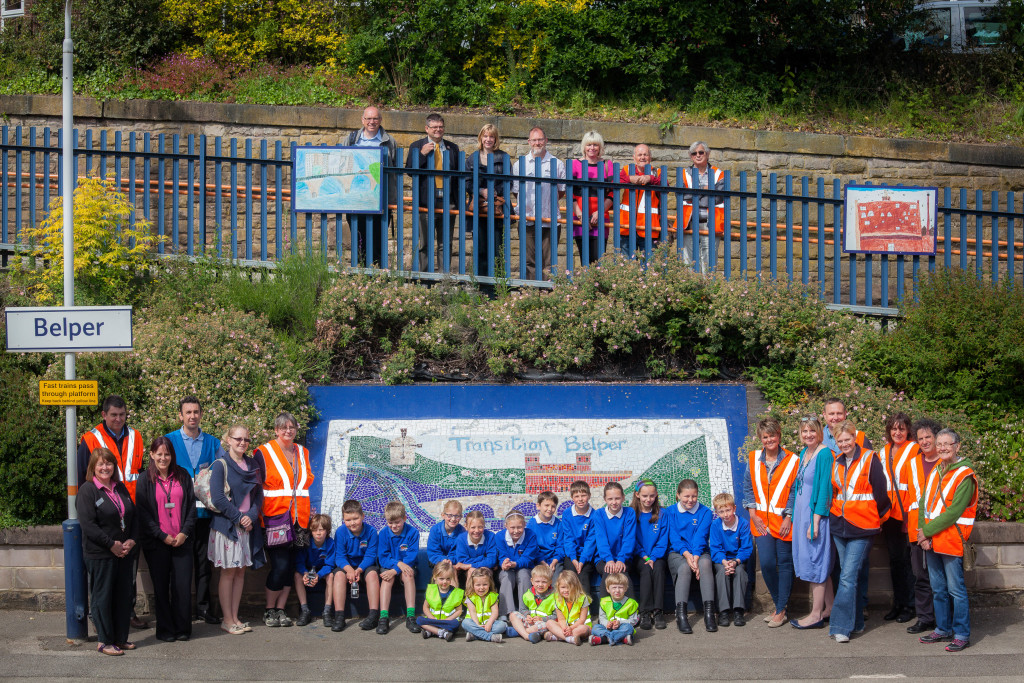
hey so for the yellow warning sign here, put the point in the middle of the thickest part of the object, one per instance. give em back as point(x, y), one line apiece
point(69, 392)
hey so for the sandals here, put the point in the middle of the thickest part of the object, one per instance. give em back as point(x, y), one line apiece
point(110, 649)
point(245, 626)
point(233, 629)
point(127, 646)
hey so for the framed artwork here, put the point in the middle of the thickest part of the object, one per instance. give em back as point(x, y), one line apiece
point(880, 219)
point(337, 180)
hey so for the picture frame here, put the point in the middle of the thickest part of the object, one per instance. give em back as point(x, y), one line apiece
point(338, 179)
point(885, 219)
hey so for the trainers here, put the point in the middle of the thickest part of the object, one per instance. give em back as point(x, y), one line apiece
point(370, 622)
point(840, 638)
point(535, 637)
point(470, 637)
point(284, 619)
point(496, 638)
point(935, 637)
point(957, 645)
point(595, 640)
point(383, 626)
point(426, 634)
point(410, 623)
point(550, 637)
point(628, 640)
point(338, 623)
point(646, 621)
point(305, 616)
point(445, 635)
point(270, 618)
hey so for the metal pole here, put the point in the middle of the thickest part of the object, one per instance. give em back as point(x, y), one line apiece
point(75, 596)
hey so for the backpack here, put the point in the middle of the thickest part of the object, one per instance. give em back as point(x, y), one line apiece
point(201, 484)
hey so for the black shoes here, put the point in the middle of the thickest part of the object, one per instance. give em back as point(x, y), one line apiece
point(338, 623)
point(724, 617)
point(370, 621)
point(208, 617)
point(383, 626)
point(410, 623)
point(737, 617)
point(893, 613)
point(906, 614)
point(305, 616)
point(921, 627)
point(935, 637)
point(710, 625)
point(645, 621)
point(659, 620)
point(682, 623)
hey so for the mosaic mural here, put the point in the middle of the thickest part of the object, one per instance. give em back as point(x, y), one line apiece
point(497, 466)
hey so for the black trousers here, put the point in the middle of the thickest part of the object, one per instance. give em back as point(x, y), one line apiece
point(923, 599)
point(652, 584)
point(202, 568)
point(368, 232)
point(282, 567)
point(171, 571)
point(111, 583)
point(898, 545)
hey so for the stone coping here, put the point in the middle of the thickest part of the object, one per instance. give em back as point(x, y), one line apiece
point(786, 142)
point(985, 533)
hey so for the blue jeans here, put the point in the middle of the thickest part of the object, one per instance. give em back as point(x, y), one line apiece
point(952, 611)
point(613, 635)
point(777, 570)
point(848, 609)
point(470, 626)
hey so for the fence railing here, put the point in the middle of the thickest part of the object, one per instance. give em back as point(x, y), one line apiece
point(232, 199)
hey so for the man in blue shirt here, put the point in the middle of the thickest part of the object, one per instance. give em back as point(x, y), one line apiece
point(370, 229)
point(195, 450)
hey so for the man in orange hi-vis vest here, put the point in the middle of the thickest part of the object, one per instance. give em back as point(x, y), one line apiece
point(707, 177)
point(126, 445)
point(947, 509)
point(646, 203)
point(925, 430)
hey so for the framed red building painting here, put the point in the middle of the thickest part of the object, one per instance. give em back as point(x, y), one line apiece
point(880, 219)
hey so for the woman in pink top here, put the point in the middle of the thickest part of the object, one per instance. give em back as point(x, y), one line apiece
point(167, 517)
point(598, 169)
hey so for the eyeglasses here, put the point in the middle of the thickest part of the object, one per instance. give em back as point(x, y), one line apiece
point(808, 419)
point(438, 127)
point(371, 118)
point(449, 515)
point(242, 439)
point(698, 153)
point(288, 428)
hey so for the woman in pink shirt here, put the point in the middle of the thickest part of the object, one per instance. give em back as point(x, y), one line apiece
point(599, 206)
point(167, 517)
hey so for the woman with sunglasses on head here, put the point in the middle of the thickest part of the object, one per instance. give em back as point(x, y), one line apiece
point(236, 539)
point(812, 544)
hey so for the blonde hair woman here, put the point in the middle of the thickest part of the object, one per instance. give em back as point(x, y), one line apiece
point(489, 199)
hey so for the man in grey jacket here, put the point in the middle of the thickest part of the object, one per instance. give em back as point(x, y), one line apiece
point(369, 230)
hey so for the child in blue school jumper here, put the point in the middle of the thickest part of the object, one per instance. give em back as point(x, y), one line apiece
point(577, 534)
point(398, 545)
point(618, 613)
point(517, 555)
point(313, 567)
point(481, 622)
point(651, 548)
point(688, 555)
point(614, 535)
point(355, 561)
point(442, 604)
point(545, 525)
point(731, 545)
point(476, 547)
point(444, 535)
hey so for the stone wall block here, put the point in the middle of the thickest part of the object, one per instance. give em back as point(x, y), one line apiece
point(38, 578)
point(24, 556)
point(987, 555)
point(849, 166)
point(6, 578)
point(1011, 555)
point(999, 578)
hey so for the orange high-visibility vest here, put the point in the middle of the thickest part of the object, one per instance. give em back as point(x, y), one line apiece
point(852, 497)
point(129, 456)
point(772, 493)
point(281, 481)
point(917, 484)
point(896, 463)
point(939, 495)
point(714, 175)
point(642, 196)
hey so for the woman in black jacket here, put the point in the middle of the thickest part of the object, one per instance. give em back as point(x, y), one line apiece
point(167, 517)
point(109, 530)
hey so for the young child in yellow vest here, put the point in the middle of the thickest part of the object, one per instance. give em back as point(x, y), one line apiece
point(532, 622)
point(481, 622)
point(442, 606)
point(618, 615)
point(572, 610)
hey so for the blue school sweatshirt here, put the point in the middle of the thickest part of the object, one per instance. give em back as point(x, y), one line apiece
point(401, 547)
point(547, 538)
point(688, 530)
point(483, 555)
point(441, 544)
point(615, 537)
point(321, 559)
point(359, 551)
point(731, 545)
point(652, 537)
point(577, 535)
point(524, 553)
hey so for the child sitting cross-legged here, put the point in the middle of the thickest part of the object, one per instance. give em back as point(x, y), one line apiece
point(618, 615)
point(442, 605)
point(532, 621)
point(481, 622)
point(572, 610)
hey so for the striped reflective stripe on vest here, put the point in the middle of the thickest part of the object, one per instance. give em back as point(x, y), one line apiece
point(935, 508)
point(128, 454)
point(276, 458)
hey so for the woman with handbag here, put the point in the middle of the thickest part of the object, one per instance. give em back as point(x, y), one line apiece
point(236, 539)
point(166, 505)
point(287, 478)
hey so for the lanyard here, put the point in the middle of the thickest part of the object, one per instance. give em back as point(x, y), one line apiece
point(115, 499)
point(167, 491)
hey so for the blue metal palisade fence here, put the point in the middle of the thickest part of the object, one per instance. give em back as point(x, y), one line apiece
point(231, 199)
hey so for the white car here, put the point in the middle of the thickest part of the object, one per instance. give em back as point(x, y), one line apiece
point(957, 25)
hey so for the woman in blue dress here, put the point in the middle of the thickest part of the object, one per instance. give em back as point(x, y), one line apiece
point(812, 546)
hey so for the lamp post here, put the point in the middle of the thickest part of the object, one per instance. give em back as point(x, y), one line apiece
point(75, 590)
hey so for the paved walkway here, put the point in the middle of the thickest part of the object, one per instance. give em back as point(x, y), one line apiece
point(32, 646)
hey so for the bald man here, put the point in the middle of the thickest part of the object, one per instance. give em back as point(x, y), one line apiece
point(647, 202)
point(369, 230)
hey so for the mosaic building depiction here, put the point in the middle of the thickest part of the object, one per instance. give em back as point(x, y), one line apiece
point(496, 466)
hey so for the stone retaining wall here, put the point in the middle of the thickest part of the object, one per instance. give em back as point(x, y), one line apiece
point(32, 571)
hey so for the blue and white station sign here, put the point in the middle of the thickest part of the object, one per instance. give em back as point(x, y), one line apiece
point(75, 328)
